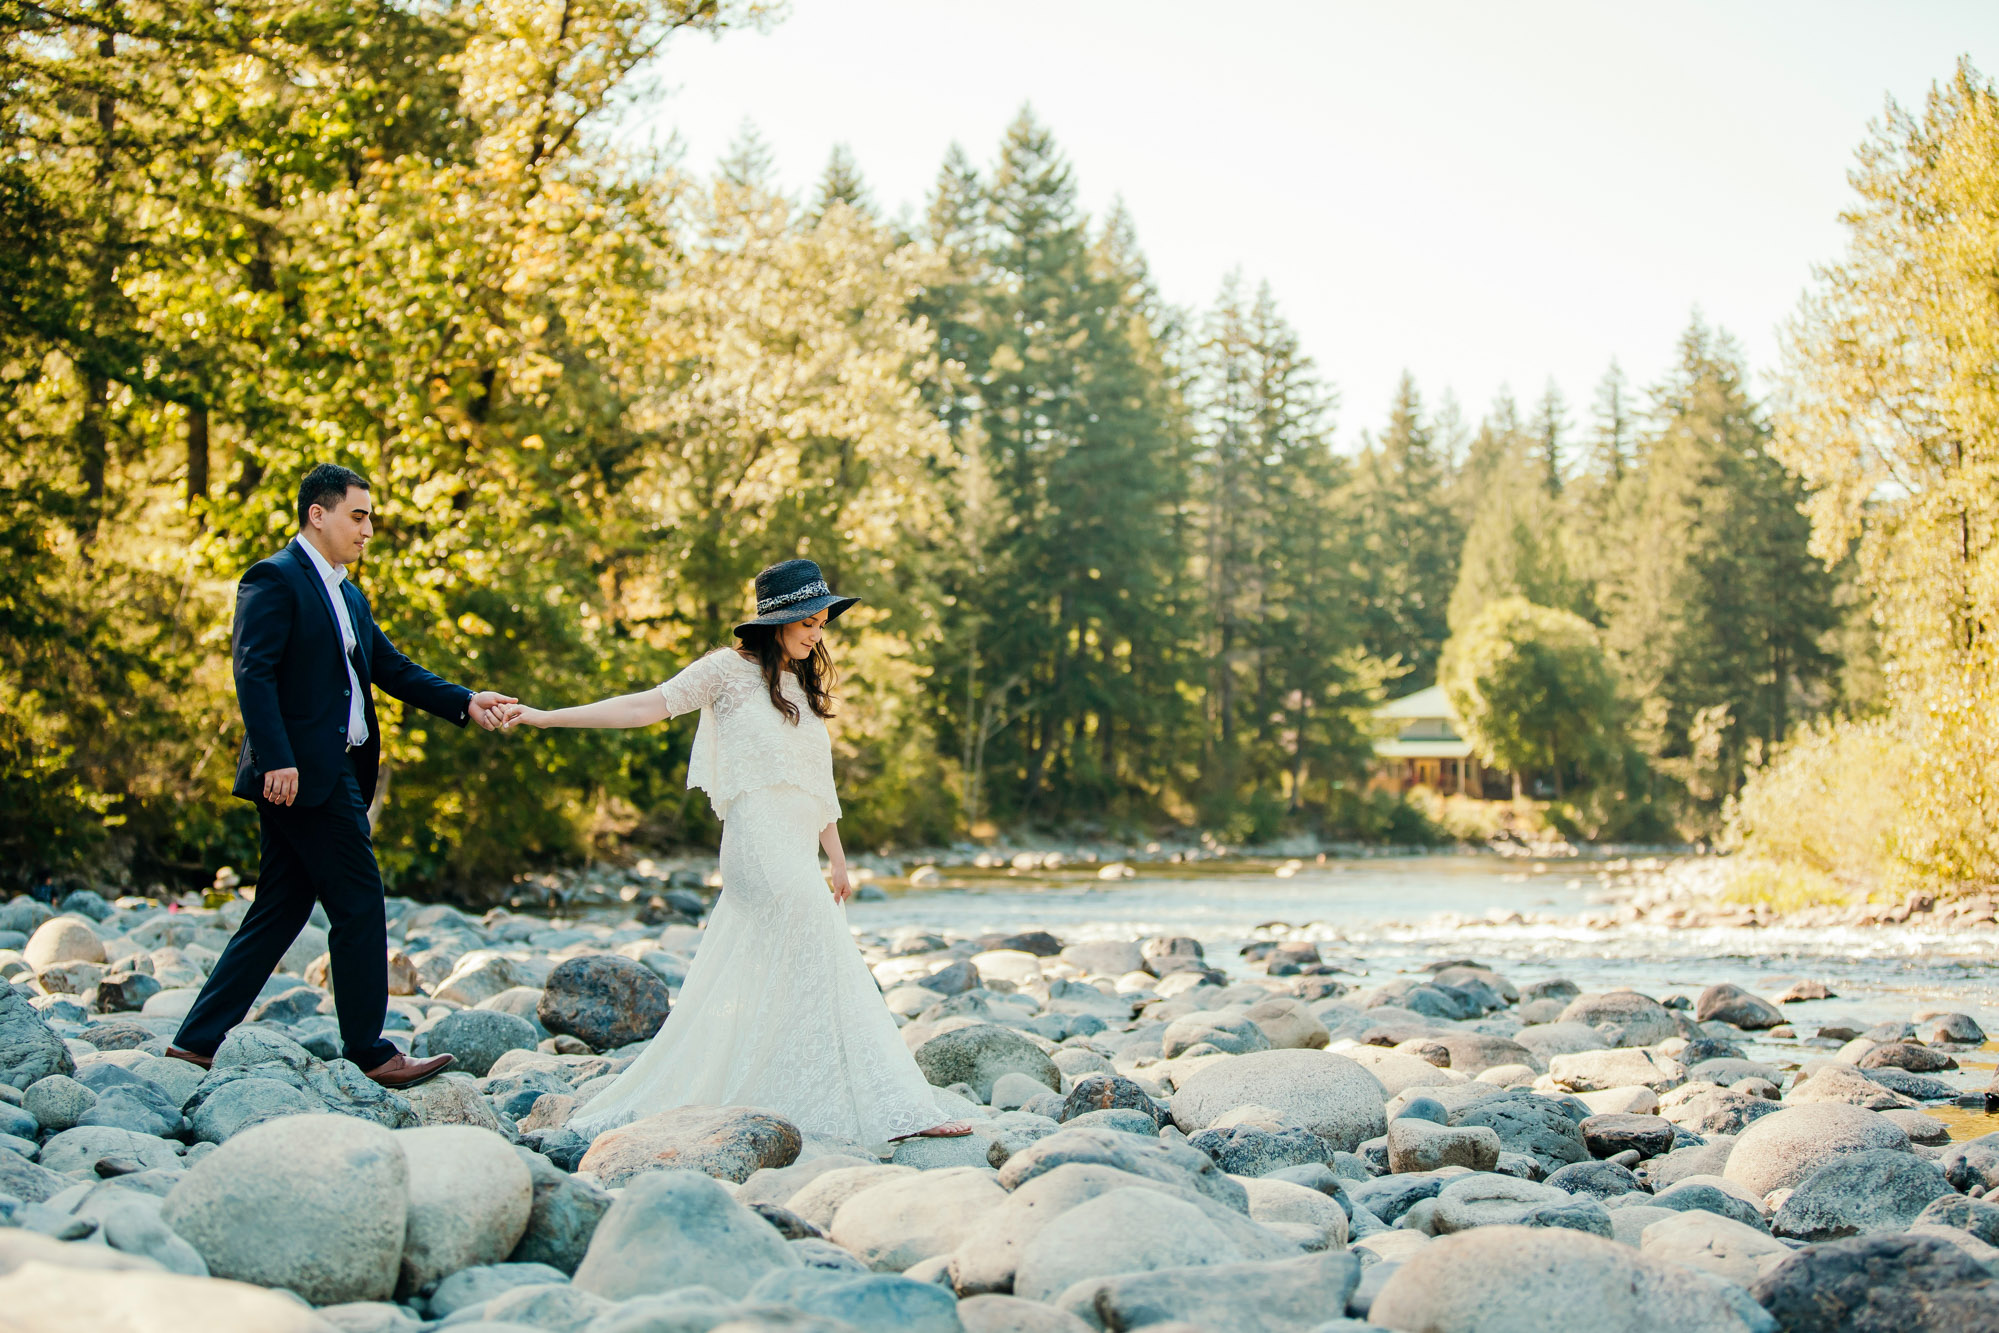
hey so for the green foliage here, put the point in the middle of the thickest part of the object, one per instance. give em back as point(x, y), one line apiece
point(1891, 414)
point(1536, 693)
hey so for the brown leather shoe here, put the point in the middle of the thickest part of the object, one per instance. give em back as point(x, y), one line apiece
point(176, 1053)
point(399, 1071)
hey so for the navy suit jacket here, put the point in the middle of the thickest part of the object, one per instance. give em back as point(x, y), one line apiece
point(294, 691)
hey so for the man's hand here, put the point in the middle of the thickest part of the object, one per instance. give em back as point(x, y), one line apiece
point(281, 786)
point(842, 885)
point(488, 709)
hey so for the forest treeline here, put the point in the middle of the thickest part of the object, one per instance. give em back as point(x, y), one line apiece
point(1119, 575)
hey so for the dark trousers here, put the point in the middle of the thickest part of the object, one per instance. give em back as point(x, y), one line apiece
point(321, 852)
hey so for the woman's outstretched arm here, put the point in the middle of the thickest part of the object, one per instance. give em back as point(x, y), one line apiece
point(627, 710)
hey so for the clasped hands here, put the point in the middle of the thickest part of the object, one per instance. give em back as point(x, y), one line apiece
point(488, 708)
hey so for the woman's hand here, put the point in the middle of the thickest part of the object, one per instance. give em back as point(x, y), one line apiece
point(520, 715)
point(843, 887)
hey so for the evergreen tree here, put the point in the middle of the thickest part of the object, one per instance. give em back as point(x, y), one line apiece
point(841, 183)
point(1412, 539)
point(1715, 606)
point(1550, 421)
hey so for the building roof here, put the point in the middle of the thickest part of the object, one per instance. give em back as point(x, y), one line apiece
point(1452, 749)
point(1432, 702)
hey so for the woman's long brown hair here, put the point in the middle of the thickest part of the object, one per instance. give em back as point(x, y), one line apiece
point(815, 673)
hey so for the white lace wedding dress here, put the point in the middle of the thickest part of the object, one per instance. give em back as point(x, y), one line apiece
point(778, 1010)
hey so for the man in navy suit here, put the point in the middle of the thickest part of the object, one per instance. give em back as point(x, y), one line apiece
point(307, 652)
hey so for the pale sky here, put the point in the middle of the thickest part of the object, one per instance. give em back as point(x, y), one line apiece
point(1482, 193)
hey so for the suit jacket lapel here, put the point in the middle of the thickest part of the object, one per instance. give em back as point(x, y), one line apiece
point(303, 570)
point(359, 619)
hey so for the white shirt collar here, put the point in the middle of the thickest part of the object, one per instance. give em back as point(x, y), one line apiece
point(328, 571)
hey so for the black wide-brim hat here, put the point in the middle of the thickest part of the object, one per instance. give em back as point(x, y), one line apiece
point(792, 590)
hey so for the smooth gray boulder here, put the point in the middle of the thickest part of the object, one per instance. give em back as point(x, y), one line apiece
point(24, 1180)
point(1232, 1034)
point(470, 1196)
point(899, 1222)
point(818, 1199)
point(988, 1256)
point(867, 1301)
point(1483, 1200)
point(246, 1103)
point(978, 1055)
point(57, 1102)
point(336, 1085)
point(1285, 1296)
point(1857, 1194)
point(1420, 1145)
point(1978, 1217)
point(1731, 1250)
point(1327, 1093)
point(29, 1050)
point(1623, 1017)
point(1124, 1231)
point(1779, 1151)
point(562, 1217)
point(1508, 1279)
point(728, 1142)
point(1528, 1123)
point(1174, 1163)
point(1250, 1150)
point(76, 1152)
point(478, 1037)
point(679, 1228)
point(317, 1204)
point(481, 1283)
point(1737, 1007)
point(1914, 1283)
point(604, 1000)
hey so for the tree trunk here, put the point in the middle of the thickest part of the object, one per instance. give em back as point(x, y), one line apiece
point(197, 460)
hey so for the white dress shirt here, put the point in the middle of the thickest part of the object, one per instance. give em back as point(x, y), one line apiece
point(332, 576)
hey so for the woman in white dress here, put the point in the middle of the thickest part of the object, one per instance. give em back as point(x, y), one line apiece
point(778, 1010)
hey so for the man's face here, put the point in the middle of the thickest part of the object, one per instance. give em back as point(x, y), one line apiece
point(342, 532)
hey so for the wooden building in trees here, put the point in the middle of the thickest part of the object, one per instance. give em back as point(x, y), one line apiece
point(1423, 745)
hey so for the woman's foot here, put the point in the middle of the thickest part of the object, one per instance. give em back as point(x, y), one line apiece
point(950, 1129)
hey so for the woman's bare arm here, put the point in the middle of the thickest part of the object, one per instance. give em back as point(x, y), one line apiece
point(836, 862)
point(627, 710)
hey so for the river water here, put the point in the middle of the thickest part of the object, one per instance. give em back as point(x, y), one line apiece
point(1378, 917)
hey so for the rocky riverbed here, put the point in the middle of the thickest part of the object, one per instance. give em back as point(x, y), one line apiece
point(1168, 1136)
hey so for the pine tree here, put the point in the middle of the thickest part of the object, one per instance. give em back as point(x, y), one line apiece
point(1413, 538)
point(841, 183)
point(1550, 421)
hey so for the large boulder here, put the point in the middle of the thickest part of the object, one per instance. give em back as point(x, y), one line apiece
point(76, 1152)
point(979, 1054)
point(1419, 1145)
point(317, 1204)
point(863, 1301)
point(1285, 1296)
point(1506, 1279)
point(818, 1200)
point(23, 1180)
point(1597, 1071)
point(1737, 1007)
point(1107, 1092)
point(1779, 1151)
point(1731, 1250)
point(728, 1142)
point(1252, 1150)
point(564, 1216)
point(479, 976)
point(1104, 958)
point(246, 1103)
point(1230, 1033)
point(1124, 1231)
point(1530, 1124)
point(1328, 1094)
point(989, 1255)
point(42, 1296)
point(900, 1222)
point(1173, 1163)
point(672, 1229)
point(336, 1085)
point(1857, 1194)
point(1623, 1017)
point(604, 1001)
point(470, 1195)
point(1287, 1023)
point(1913, 1283)
point(478, 1037)
point(63, 939)
point(1972, 1163)
point(28, 1049)
point(1484, 1200)
point(452, 1099)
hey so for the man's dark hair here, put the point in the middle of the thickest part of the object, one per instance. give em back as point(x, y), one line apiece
point(325, 486)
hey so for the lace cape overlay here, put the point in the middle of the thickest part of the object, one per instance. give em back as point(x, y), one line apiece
point(743, 742)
